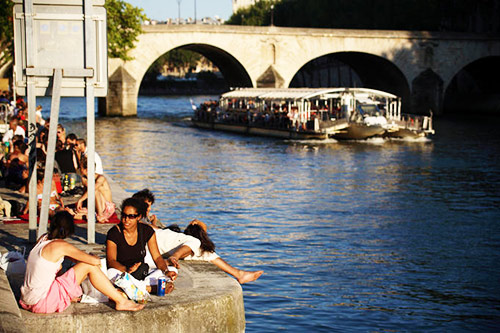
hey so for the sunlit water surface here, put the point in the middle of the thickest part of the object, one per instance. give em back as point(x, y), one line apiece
point(352, 236)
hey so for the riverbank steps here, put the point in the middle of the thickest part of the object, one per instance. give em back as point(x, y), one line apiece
point(205, 299)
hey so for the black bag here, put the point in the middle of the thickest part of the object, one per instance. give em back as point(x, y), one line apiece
point(141, 272)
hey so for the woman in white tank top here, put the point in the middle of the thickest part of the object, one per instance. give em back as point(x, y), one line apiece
point(45, 290)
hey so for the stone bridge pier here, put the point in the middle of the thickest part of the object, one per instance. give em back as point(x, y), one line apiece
point(421, 67)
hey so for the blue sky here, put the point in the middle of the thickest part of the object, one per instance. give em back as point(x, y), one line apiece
point(163, 9)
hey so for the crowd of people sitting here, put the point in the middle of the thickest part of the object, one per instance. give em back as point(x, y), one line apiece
point(137, 246)
point(69, 174)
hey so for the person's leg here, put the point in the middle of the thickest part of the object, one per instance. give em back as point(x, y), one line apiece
point(7, 208)
point(100, 203)
point(240, 275)
point(101, 283)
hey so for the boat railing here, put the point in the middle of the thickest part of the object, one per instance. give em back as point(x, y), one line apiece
point(417, 122)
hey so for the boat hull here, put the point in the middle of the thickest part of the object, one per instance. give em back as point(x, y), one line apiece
point(358, 132)
point(261, 131)
point(405, 133)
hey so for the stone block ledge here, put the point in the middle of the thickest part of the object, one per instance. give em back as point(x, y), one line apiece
point(204, 300)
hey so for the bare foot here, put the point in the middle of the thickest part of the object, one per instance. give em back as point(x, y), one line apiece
point(127, 305)
point(248, 276)
point(76, 299)
point(69, 210)
point(80, 216)
point(169, 287)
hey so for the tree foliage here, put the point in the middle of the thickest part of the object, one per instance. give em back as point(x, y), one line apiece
point(124, 26)
point(433, 15)
point(6, 32)
point(185, 60)
point(258, 14)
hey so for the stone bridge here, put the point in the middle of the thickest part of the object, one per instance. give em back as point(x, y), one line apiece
point(421, 67)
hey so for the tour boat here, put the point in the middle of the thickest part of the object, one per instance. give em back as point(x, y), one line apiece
point(310, 113)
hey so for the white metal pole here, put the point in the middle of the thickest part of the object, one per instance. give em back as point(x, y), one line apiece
point(90, 56)
point(31, 95)
point(51, 151)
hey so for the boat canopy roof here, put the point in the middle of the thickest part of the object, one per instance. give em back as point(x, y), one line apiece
point(302, 93)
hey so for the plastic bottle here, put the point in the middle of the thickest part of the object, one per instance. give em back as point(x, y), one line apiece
point(66, 183)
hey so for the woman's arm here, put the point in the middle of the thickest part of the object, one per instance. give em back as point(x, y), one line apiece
point(111, 255)
point(79, 203)
point(158, 259)
point(181, 252)
point(75, 159)
point(26, 208)
point(58, 197)
point(80, 256)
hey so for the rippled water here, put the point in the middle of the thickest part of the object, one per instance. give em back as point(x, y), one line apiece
point(372, 236)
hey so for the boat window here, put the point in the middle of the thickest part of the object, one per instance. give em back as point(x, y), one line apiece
point(367, 109)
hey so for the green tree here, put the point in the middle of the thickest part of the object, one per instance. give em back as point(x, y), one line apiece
point(6, 32)
point(258, 14)
point(124, 26)
point(433, 15)
point(185, 60)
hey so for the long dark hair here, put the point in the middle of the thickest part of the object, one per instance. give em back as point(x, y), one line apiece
point(62, 225)
point(197, 232)
point(139, 205)
point(144, 195)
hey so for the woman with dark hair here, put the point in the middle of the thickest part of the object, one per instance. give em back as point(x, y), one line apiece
point(56, 202)
point(126, 247)
point(45, 290)
point(206, 252)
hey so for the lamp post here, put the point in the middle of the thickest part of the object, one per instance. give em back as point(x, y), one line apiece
point(272, 14)
point(194, 11)
point(179, 11)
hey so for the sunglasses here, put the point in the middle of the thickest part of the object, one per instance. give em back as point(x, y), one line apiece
point(130, 216)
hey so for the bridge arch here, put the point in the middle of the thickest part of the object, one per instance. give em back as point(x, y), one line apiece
point(362, 70)
point(232, 70)
point(475, 87)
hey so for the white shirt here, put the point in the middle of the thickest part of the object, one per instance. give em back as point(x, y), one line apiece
point(169, 241)
point(10, 133)
point(98, 163)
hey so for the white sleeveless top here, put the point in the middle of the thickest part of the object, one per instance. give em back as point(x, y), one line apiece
point(40, 273)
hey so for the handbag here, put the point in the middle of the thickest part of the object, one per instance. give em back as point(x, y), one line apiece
point(141, 272)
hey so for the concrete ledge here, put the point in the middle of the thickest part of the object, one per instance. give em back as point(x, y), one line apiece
point(205, 299)
point(10, 314)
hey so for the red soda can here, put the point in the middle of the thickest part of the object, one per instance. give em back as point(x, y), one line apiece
point(162, 284)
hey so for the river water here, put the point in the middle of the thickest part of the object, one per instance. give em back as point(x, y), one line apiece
point(353, 236)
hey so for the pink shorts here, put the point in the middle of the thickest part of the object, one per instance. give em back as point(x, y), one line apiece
point(109, 210)
point(61, 292)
